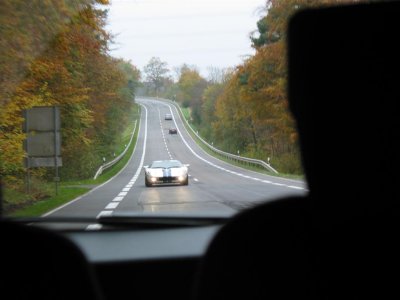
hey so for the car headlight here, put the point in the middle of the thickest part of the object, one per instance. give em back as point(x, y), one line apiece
point(180, 172)
point(150, 173)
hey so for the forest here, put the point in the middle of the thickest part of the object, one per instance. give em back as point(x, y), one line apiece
point(244, 109)
point(55, 53)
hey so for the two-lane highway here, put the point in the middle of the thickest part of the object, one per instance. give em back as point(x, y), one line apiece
point(214, 186)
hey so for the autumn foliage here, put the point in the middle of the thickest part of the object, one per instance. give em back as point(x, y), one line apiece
point(246, 110)
point(55, 53)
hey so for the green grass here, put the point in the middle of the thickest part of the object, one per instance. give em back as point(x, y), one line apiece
point(40, 207)
point(186, 112)
point(126, 136)
point(69, 190)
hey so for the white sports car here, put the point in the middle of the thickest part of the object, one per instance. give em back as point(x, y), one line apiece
point(166, 172)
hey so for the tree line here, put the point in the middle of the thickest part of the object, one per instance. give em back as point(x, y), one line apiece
point(56, 53)
point(245, 109)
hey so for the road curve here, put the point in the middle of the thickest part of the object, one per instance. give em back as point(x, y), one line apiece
point(214, 186)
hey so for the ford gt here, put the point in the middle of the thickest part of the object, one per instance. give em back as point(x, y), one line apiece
point(166, 172)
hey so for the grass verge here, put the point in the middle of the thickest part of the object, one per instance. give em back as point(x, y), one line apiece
point(40, 207)
point(69, 190)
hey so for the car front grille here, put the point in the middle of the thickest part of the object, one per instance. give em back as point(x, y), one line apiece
point(167, 179)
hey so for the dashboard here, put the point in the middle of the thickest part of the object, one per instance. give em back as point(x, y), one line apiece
point(149, 244)
point(145, 264)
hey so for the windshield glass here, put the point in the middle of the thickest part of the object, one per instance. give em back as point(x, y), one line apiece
point(90, 91)
point(166, 164)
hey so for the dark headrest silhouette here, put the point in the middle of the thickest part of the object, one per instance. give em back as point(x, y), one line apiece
point(344, 92)
point(338, 242)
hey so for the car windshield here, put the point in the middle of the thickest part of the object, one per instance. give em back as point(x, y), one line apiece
point(166, 164)
point(84, 87)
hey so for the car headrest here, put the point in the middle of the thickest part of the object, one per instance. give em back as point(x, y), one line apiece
point(344, 92)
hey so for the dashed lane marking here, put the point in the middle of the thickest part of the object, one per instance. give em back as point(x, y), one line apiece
point(117, 200)
point(112, 205)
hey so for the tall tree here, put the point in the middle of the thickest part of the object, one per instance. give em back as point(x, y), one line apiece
point(191, 87)
point(217, 75)
point(65, 62)
point(156, 71)
point(213, 91)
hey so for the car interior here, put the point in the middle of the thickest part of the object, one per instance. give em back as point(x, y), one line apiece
point(338, 242)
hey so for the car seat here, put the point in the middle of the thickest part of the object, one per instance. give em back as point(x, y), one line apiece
point(37, 263)
point(339, 241)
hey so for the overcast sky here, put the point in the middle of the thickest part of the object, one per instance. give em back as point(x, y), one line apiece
point(197, 32)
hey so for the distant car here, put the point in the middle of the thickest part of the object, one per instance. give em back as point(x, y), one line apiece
point(166, 172)
point(168, 117)
point(173, 131)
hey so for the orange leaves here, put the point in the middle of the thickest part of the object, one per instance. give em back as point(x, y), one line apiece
point(61, 62)
point(104, 2)
point(252, 111)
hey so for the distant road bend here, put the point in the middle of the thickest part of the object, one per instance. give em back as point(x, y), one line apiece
point(214, 186)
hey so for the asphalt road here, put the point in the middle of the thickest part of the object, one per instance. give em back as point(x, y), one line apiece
point(214, 186)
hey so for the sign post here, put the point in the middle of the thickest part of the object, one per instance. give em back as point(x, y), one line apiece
point(43, 140)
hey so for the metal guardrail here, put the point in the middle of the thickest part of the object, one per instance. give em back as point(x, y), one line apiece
point(118, 158)
point(222, 153)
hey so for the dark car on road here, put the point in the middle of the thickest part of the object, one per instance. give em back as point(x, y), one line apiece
point(172, 131)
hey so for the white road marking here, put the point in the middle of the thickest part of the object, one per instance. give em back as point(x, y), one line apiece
point(163, 135)
point(115, 202)
point(214, 165)
point(104, 213)
point(112, 205)
point(295, 187)
point(94, 227)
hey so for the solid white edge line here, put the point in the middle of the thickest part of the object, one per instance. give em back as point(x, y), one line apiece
point(99, 186)
point(115, 204)
point(285, 179)
point(205, 160)
point(295, 187)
